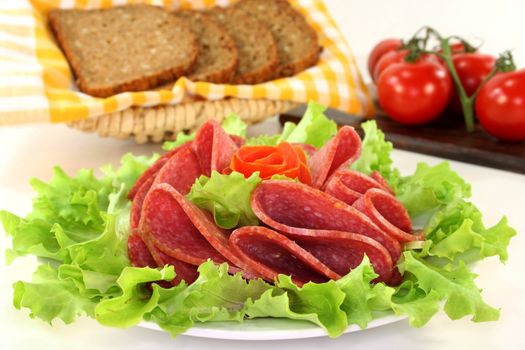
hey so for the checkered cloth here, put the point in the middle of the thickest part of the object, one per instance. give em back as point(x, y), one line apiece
point(36, 83)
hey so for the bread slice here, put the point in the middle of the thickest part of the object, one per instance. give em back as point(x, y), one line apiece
point(218, 55)
point(127, 48)
point(258, 53)
point(297, 41)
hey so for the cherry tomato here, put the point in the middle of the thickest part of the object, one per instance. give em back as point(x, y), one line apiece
point(396, 57)
point(379, 50)
point(472, 68)
point(414, 93)
point(500, 106)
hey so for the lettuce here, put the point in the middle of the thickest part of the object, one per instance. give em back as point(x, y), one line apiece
point(234, 125)
point(314, 129)
point(79, 227)
point(227, 197)
point(181, 138)
point(375, 155)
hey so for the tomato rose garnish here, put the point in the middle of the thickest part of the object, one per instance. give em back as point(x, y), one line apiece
point(283, 159)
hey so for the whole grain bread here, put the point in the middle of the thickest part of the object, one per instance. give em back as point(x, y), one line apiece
point(218, 55)
point(297, 42)
point(126, 48)
point(258, 53)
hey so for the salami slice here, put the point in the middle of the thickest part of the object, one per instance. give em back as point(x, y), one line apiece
point(307, 148)
point(138, 252)
point(349, 185)
point(239, 140)
point(296, 209)
point(184, 271)
point(343, 251)
point(388, 213)
point(269, 253)
point(214, 147)
point(181, 170)
point(381, 180)
point(340, 151)
point(138, 200)
point(181, 230)
point(152, 171)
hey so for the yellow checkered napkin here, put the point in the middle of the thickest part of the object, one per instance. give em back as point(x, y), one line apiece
point(36, 84)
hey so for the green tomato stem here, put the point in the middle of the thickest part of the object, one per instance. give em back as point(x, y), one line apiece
point(466, 101)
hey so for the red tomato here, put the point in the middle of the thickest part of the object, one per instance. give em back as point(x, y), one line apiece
point(414, 93)
point(396, 57)
point(472, 68)
point(500, 106)
point(379, 50)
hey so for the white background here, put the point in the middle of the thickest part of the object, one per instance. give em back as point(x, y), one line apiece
point(498, 24)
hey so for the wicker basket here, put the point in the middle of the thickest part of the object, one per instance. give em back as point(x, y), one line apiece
point(160, 123)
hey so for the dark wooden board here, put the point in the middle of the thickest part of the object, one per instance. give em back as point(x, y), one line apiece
point(445, 138)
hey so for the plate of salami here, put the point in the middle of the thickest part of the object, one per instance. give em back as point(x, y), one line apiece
point(307, 233)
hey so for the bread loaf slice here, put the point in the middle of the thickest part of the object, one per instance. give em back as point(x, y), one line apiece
point(297, 42)
point(127, 48)
point(258, 53)
point(218, 55)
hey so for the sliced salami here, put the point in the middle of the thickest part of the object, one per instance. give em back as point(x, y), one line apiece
point(340, 151)
point(349, 185)
point(138, 252)
point(152, 171)
point(387, 213)
point(138, 200)
point(296, 209)
point(343, 251)
point(181, 170)
point(184, 271)
point(307, 148)
point(269, 253)
point(381, 180)
point(181, 230)
point(214, 147)
point(239, 140)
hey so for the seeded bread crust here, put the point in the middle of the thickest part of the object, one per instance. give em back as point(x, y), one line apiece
point(297, 42)
point(258, 53)
point(218, 55)
point(125, 48)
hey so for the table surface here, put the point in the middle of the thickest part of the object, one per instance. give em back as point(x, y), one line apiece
point(31, 151)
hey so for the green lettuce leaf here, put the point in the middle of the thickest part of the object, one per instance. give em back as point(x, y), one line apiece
point(362, 297)
point(415, 303)
point(129, 308)
point(458, 228)
point(227, 197)
point(234, 125)
point(375, 155)
point(430, 187)
point(319, 303)
point(181, 138)
point(50, 296)
point(263, 140)
point(455, 284)
point(314, 128)
point(214, 296)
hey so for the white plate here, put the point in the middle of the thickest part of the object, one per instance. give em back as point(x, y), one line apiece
point(268, 328)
